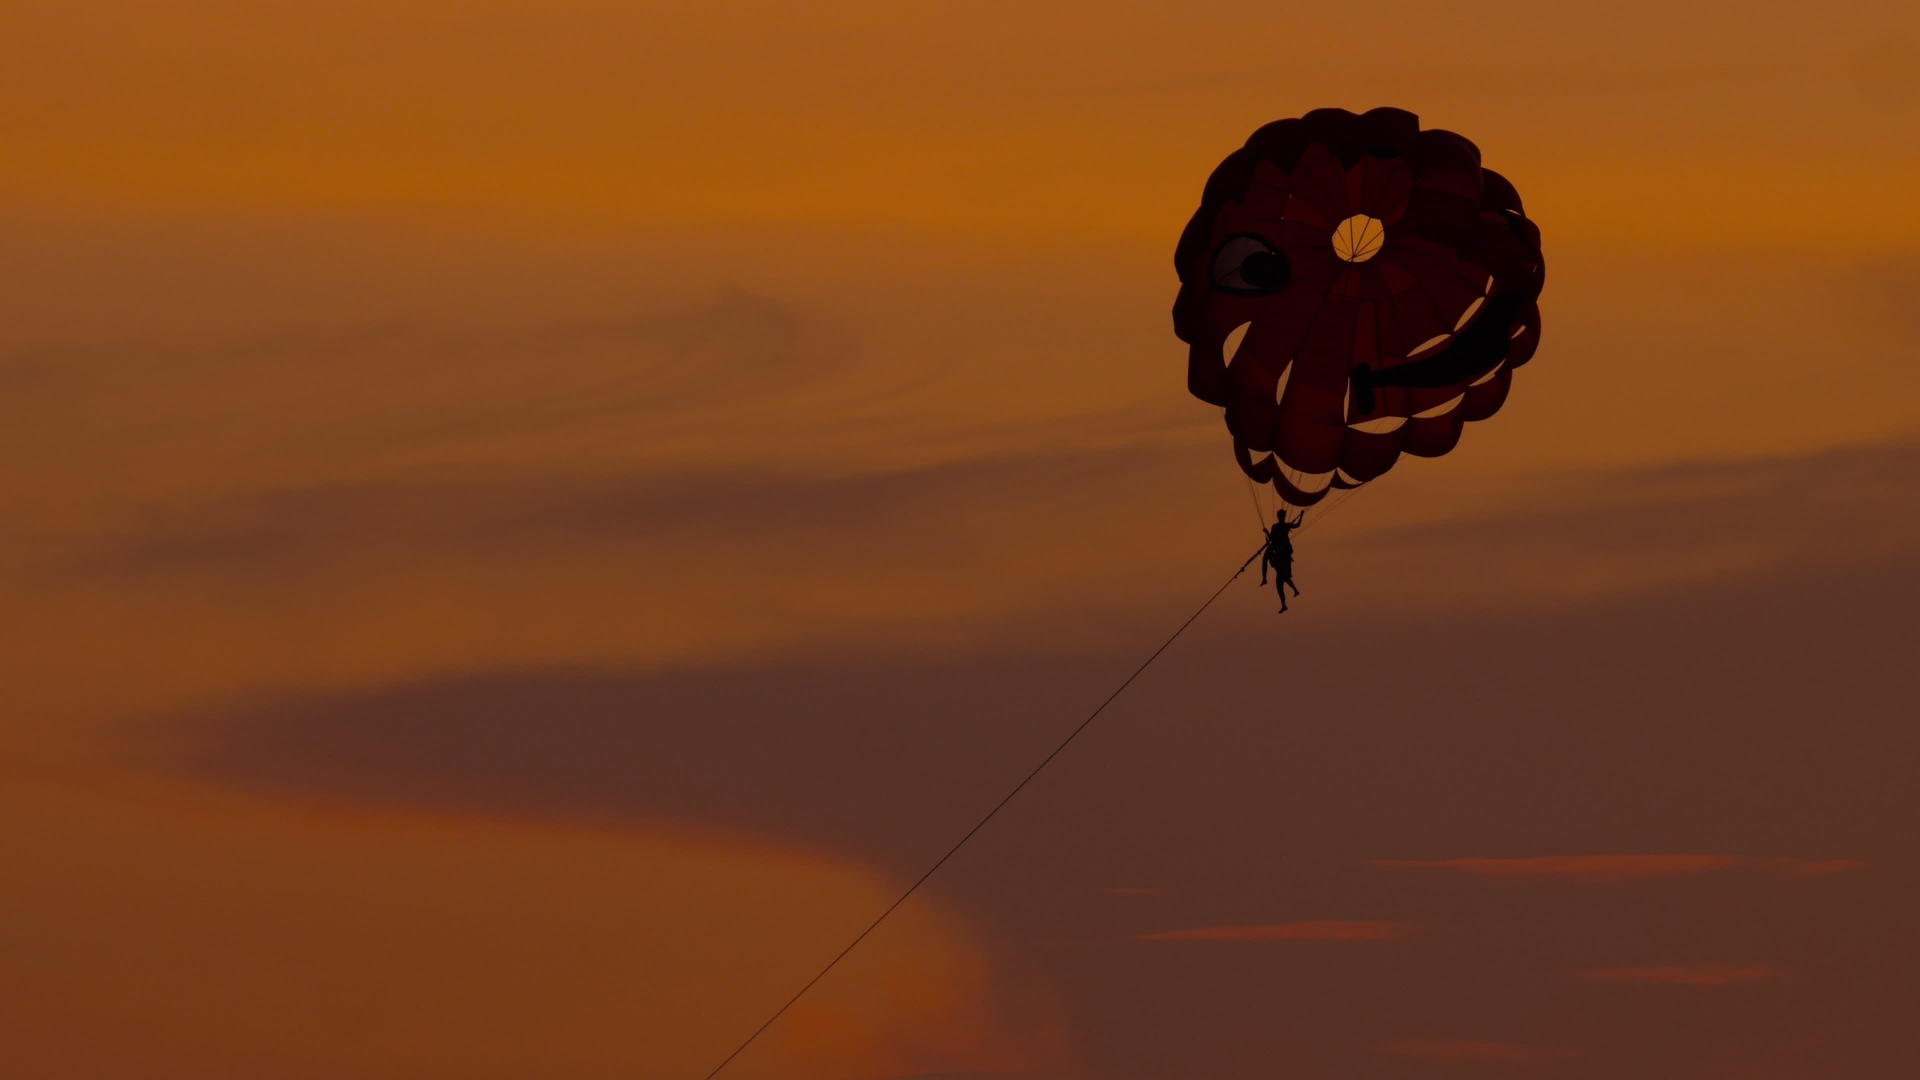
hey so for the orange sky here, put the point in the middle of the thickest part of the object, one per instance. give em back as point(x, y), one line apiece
point(527, 520)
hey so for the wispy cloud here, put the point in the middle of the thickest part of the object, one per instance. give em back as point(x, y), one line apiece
point(1465, 1050)
point(1682, 974)
point(1317, 930)
point(1811, 867)
point(1636, 530)
point(1601, 869)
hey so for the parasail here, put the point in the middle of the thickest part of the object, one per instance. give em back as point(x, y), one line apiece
point(1353, 288)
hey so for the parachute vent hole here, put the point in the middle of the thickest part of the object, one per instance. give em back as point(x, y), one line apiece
point(1359, 238)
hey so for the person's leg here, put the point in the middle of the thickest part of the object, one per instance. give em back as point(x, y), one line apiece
point(1291, 585)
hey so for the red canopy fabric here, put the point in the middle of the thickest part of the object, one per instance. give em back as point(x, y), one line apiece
point(1352, 288)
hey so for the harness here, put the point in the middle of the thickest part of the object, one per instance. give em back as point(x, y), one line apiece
point(1279, 545)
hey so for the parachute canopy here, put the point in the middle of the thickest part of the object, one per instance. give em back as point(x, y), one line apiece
point(1352, 288)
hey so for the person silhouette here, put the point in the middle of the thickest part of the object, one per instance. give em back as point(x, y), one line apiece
point(1279, 555)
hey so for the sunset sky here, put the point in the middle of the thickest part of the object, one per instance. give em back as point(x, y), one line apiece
point(528, 523)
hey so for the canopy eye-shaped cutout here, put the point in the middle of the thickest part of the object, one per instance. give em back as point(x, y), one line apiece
point(1248, 264)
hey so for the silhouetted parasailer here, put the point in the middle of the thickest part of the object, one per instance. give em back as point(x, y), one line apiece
point(1278, 554)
